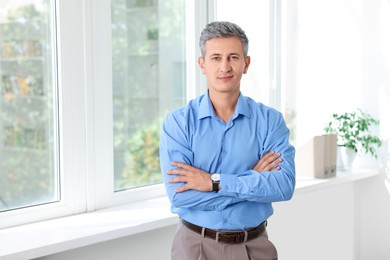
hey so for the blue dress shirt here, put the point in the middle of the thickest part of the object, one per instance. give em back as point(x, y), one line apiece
point(194, 135)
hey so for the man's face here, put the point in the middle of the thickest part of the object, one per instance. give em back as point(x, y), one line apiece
point(223, 64)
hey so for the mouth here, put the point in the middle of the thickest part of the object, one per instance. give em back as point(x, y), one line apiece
point(225, 77)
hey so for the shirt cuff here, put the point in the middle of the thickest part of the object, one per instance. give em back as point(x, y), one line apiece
point(228, 184)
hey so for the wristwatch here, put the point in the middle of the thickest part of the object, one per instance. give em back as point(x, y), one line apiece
point(215, 178)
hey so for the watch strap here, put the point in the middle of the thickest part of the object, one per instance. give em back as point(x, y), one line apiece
point(216, 186)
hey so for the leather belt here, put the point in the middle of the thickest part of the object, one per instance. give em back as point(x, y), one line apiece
point(229, 237)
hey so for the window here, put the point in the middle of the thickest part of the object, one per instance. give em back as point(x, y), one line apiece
point(46, 107)
point(148, 80)
point(29, 164)
point(256, 24)
point(324, 62)
point(141, 76)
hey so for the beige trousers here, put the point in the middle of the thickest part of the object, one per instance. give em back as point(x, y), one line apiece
point(188, 245)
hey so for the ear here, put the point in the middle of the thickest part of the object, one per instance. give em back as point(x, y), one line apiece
point(247, 62)
point(201, 64)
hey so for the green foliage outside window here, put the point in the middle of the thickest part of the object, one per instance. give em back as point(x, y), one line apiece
point(142, 161)
point(27, 156)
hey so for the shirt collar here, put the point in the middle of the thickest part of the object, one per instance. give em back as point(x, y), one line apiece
point(206, 108)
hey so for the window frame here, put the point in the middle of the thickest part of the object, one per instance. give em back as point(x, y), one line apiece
point(85, 111)
point(70, 77)
point(100, 107)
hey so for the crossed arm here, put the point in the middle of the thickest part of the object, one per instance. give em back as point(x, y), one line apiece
point(197, 179)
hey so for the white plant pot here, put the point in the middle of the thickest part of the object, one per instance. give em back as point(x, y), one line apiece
point(345, 158)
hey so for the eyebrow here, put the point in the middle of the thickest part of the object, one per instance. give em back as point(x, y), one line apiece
point(230, 54)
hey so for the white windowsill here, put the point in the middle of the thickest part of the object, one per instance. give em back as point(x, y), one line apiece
point(57, 235)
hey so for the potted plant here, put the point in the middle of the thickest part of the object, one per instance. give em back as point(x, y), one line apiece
point(353, 132)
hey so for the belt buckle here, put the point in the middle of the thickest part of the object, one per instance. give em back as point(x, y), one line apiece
point(217, 236)
point(238, 236)
point(245, 236)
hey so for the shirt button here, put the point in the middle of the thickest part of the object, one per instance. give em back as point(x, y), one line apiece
point(225, 220)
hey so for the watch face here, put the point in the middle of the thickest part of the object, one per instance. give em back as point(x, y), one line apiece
point(215, 177)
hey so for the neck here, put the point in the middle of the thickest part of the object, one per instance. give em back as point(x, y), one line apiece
point(224, 104)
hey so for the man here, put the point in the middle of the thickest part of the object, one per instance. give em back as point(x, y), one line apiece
point(225, 159)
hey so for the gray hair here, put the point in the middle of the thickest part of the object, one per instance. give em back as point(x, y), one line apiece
point(222, 30)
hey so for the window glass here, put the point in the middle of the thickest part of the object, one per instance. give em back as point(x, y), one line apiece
point(322, 63)
point(254, 18)
point(28, 129)
point(149, 79)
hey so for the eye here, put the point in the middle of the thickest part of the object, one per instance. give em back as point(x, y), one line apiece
point(234, 57)
point(216, 58)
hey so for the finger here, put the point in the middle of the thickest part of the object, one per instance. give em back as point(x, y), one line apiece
point(177, 179)
point(273, 164)
point(181, 189)
point(266, 159)
point(270, 155)
point(271, 158)
point(183, 165)
point(177, 172)
point(187, 168)
point(268, 163)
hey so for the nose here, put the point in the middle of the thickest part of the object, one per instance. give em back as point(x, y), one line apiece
point(225, 65)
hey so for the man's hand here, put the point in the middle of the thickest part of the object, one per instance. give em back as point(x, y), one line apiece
point(194, 178)
point(269, 162)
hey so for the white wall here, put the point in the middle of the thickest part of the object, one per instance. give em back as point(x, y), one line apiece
point(373, 218)
point(316, 225)
point(346, 221)
point(154, 244)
